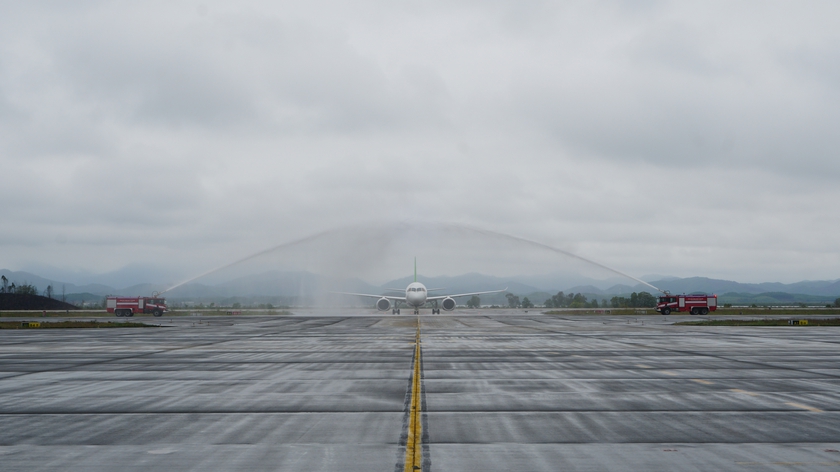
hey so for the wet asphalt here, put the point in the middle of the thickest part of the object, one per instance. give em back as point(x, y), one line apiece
point(501, 391)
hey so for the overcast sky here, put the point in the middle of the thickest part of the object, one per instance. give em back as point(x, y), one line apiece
point(678, 138)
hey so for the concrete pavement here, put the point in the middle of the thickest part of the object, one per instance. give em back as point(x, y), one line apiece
point(510, 391)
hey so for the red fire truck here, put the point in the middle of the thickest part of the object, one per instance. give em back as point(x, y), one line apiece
point(696, 304)
point(128, 306)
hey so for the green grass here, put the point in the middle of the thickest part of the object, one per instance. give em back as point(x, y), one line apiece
point(73, 324)
point(764, 322)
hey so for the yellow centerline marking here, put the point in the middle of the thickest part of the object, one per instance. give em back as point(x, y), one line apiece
point(704, 382)
point(413, 446)
point(643, 366)
point(668, 372)
point(804, 407)
point(738, 390)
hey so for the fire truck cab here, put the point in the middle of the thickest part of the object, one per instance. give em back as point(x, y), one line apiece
point(696, 304)
point(128, 306)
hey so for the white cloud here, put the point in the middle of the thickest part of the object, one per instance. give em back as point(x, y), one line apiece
point(658, 138)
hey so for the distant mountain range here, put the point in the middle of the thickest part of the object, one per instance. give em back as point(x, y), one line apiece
point(301, 287)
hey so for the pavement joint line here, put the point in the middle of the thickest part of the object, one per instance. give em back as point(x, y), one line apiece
point(744, 335)
point(137, 356)
point(694, 353)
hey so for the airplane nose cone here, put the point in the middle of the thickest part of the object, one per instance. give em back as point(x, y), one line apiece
point(414, 298)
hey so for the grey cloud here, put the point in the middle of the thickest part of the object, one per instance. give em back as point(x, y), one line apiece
point(242, 72)
point(679, 47)
point(727, 119)
point(604, 127)
point(152, 79)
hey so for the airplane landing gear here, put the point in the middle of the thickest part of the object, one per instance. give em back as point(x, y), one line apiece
point(395, 311)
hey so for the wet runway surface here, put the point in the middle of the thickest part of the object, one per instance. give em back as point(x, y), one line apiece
point(501, 392)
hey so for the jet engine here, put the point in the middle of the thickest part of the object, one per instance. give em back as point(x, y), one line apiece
point(448, 304)
point(383, 304)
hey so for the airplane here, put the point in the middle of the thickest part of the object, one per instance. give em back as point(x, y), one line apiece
point(416, 295)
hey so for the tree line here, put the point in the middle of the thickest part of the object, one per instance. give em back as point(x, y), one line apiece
point(22, 289)
point(578, 300)
point(513, 301)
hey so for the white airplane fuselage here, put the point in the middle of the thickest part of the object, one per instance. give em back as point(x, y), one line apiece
point(416, 294)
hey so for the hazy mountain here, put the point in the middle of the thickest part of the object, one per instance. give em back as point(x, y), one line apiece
point(304, 285)
point(41, 283)
point(656, 277)
point(130, 275)
point(774, 298)
point(80, 298)
point(466, 283)
point(703, 284)
point(620, 289)
point(101, 290)
point(586, 289)
point(555, 282)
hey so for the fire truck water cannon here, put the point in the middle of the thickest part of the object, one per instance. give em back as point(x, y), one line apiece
point(128, 306)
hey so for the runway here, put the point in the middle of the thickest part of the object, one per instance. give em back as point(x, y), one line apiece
point(514, 391)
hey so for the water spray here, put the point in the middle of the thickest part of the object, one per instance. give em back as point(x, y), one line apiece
point(255, 255)
point(409, 227)
point(559, 251)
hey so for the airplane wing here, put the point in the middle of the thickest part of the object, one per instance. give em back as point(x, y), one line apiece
point(441, 297)
point(371, 296)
